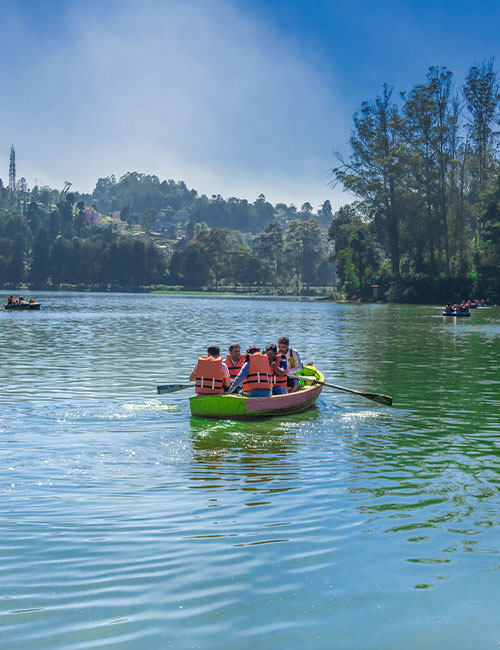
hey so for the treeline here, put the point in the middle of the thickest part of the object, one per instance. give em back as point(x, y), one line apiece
point(426, 172)
point(54, 246)
point(142, 198)
point(293, 259)
point(95, 258)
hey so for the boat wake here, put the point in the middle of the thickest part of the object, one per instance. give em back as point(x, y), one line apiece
point(152, 404)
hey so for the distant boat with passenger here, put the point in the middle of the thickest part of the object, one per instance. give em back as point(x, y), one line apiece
point(21, 304)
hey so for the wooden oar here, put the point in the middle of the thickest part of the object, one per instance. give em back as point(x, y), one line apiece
point(375, 397)
point(172, 388)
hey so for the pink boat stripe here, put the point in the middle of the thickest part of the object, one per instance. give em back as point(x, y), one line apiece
point(282, 401)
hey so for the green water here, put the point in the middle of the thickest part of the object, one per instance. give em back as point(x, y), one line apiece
point(127, 524)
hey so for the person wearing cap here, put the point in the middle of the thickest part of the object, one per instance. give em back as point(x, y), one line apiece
point(255, 375)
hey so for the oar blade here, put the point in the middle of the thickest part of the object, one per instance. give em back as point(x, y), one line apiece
point(171, 388)
point(376, 397)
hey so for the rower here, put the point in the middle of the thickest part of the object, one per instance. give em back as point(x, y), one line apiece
point(210, 373)
point(279, 370)
point(294, 364)
point(255, 375)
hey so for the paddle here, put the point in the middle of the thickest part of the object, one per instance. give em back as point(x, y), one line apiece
point(172, 388)
point(376, 397)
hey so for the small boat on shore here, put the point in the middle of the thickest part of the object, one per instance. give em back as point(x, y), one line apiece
point(240, 407)
point(22, 306)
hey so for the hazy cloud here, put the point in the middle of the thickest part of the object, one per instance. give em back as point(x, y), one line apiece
point(194, 90)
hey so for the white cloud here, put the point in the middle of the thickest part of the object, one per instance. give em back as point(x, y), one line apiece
point(198, 91)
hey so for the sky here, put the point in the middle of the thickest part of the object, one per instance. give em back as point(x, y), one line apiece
point(234, 97)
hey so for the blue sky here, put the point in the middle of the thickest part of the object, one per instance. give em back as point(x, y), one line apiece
point(233, 97)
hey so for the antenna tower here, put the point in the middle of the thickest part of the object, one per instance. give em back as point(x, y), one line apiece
point(12, 169)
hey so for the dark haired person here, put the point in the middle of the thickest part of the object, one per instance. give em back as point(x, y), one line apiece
point(294, 364)
point(210, 373)
point(279, 375)
point(234, 360)
point(255, 375)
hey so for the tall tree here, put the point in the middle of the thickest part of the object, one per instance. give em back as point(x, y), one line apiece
point(375, 171)
point(482, 100)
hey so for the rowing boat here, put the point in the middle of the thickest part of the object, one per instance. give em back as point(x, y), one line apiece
point(456, 313)
point(240, 407)
point(23, 306)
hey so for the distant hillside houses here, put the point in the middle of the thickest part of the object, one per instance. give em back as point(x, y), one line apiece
point(94, 218)
point(167, 218)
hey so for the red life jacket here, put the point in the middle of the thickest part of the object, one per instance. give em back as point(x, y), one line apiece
point(234, 370)
point(259, 373)
point(278, 380)
point(209, 376)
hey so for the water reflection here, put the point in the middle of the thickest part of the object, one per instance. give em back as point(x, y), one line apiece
point(253, 456)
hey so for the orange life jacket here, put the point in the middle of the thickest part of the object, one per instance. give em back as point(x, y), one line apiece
point(209, 376)
point(259, 373)
point(278, 380)
point(234, 370)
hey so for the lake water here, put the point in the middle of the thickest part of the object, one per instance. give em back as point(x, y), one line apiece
point(126, 524)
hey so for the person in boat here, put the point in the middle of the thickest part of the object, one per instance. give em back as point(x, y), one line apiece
point(234, 360)
point(32, 301)
point(11, 300)
point(448, 309)
point(21, 300)
point(279, 370)
point(294, 364)
point(255, 375)
point(210, 373)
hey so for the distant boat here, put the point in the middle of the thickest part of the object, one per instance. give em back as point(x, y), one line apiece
point(456, 313)
point(23, 306)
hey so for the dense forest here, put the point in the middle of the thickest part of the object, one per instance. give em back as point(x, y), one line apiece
point(139, 232)
point(426, 172)
point(425, 226)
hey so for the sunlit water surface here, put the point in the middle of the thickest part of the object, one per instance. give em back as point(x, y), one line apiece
point(127, 524)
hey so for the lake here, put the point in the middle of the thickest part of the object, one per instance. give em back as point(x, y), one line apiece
point(126, 524)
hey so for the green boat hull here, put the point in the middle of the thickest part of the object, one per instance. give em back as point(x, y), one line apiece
point(240, 407)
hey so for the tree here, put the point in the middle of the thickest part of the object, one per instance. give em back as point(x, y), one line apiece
point(430, 127)
point(15, 266)
point(355, 250)
point(61, 261)
point(268, 249)
point(304, 250)
point(40, 263)
point(325, 214)
point(34, 216)
point(375, 171)
point(482, 100)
